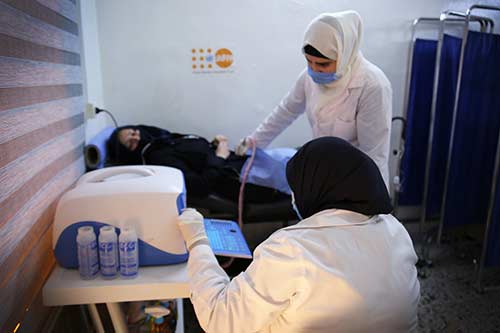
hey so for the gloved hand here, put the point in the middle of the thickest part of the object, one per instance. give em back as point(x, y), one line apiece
point(190, 223)
point(243, 146)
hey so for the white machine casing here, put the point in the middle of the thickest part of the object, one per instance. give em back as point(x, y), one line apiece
point(149, 198)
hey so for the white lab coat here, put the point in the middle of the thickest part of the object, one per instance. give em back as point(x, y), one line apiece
point(337, 271)
point(360, 114)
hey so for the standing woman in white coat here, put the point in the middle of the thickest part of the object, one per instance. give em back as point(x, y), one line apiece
point(347, 266)
point(342, 93)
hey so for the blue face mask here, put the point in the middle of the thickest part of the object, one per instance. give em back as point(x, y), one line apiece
point(295, 209)
point(321, 78)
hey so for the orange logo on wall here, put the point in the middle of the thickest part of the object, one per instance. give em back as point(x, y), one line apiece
point(223, 58)
point(206, 61)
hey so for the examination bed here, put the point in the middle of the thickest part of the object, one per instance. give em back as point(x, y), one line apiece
point(212, 205)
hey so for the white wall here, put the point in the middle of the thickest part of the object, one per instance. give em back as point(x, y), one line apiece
point(137, 56)
point(146, 58)
point(91, 62)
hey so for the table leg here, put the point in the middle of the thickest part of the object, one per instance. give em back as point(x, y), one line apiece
point(179, 328)
point(96, 320)
point(117, 317)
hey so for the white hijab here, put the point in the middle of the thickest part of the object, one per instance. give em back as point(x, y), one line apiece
point(337, 36)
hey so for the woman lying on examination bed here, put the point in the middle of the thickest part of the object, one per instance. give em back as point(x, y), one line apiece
point(207, 167)
point(347, 266)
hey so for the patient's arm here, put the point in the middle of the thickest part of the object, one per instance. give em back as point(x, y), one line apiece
point(222, 149)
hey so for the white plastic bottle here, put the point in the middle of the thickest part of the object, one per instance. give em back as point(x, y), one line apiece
point(108, 252)
point(129, 255)
point(88, 265)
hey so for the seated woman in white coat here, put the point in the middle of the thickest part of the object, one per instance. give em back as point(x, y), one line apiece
point(342, 93)
point(346, 266)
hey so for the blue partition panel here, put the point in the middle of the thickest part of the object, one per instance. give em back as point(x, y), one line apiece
point(417, 126)
point(476, 133)
point(414, 161)
point(448, 75)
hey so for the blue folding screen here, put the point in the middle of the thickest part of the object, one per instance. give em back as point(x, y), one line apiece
point(448, 75)
point(414, 161)
point(476, 132)
point(417, 123)
point(475, 141)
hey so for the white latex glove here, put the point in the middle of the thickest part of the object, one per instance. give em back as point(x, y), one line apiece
point(243, 146)
point(190, 223)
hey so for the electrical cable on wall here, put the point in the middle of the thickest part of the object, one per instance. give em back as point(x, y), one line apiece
point(99, 110)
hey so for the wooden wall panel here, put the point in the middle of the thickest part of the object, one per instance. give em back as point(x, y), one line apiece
point(39, 212)
point(18, 48)
point(24, 144)
point(27, 279)
point(41, 145)
point(26, 73)
point(16, 24)
point(65, 8)
point(18, 97)
point(37, 317)
point(20, 194)
point(43, 13)
point(18, 122)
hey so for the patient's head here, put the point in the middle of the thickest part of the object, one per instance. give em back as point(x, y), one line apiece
point(330, 173)
point(124, 146)
point(129, 137)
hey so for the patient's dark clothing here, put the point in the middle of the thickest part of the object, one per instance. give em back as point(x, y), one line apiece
point(204, 172)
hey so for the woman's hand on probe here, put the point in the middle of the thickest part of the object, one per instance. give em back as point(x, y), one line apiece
point(190, 223)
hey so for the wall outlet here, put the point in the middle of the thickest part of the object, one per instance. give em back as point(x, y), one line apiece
point(89, 111)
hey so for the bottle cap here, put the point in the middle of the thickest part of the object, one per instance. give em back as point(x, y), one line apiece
point(128, 230)
point(85, 230)
point(107, 229)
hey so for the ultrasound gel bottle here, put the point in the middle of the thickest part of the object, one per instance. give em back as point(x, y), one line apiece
point(108, 252)
point(88, 265)
point(129, 255)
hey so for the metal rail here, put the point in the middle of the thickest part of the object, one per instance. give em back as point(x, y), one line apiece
point(444, 18)
point(480, 272)
point(409, 66)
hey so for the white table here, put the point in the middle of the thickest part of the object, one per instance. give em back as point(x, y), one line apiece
point(65, 287)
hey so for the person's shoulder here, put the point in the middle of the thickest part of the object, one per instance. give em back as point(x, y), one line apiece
point(373, 77)
point(282, 243)
point(302, 77)
point(394, 226)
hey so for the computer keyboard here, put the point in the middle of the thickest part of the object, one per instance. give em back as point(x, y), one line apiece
point(226, 238)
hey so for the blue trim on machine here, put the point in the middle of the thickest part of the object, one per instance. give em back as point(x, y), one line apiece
point(181, 199)
point(65, 250)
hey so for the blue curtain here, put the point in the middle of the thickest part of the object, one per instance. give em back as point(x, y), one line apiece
point(448, 75)
point(476, 132)
point(417, 125)
point(414, 160)
point(490, 44)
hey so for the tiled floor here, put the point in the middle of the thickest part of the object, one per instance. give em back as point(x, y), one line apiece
point(450, 301)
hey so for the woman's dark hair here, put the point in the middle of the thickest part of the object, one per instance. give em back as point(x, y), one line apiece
point(312, 51)
point(118, 154)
